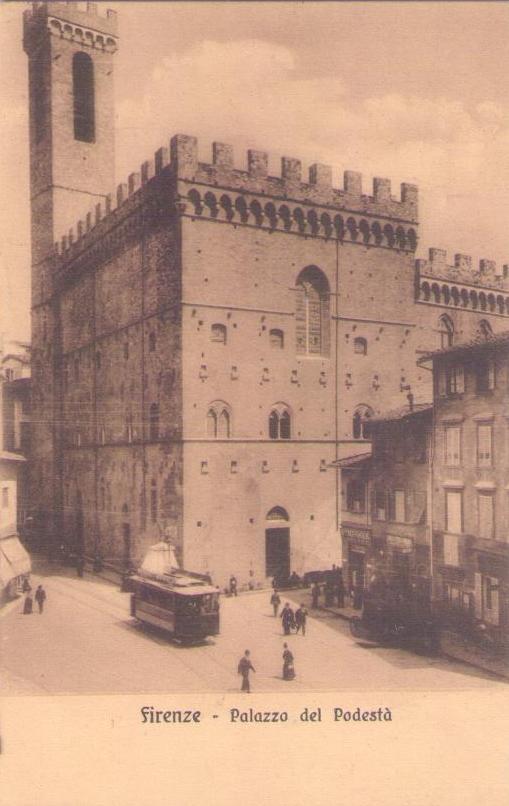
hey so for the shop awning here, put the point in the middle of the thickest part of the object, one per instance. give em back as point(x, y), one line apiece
point(14, 559)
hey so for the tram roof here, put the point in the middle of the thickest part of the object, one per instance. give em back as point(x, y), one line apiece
point(185, 586)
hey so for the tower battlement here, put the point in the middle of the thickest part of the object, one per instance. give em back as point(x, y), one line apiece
point(84, 23)
point(252, 196)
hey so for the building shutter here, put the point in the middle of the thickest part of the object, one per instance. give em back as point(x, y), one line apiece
point(491, 374)
point(478, 595)
point(454, 516)
point(485, 503)
point(399, 506)
point(484, 444)
point(460, 379)
point(452, 445)
point(442, 381)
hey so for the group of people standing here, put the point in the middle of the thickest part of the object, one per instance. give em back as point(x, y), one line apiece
point(39, 596)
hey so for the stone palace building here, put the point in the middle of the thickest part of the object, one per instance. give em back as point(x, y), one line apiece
point(209, 340)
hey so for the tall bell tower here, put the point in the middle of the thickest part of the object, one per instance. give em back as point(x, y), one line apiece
point(70, 47)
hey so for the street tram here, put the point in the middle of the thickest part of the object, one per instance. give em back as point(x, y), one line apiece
point(182, 603)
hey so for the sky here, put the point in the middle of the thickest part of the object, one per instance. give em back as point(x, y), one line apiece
point(414, 91)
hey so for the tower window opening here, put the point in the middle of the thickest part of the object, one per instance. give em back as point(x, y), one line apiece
point(84, 97)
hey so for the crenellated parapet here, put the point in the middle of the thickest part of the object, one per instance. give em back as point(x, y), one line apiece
point(221, 192)
point(289, 186)
point(460, 285)
point(66, 20)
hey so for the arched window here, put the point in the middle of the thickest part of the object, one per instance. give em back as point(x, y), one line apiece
point(484, 329)
point(280, 422)
point(360, 346)
point(277, 514)
point(360, 423)
point(154, 421)
point(277, 339)
point(223, 425)
point(312, 318)
point(446, 331)
point(84, 97)
point(218, 333)
point(219, 420)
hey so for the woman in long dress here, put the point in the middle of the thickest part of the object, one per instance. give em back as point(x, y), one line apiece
point(288, 667)
point(28, 605)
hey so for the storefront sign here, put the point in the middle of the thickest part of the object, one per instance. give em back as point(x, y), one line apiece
point(404, 544)
point(361, 536)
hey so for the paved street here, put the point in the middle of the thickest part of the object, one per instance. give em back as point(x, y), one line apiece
point(85, 642)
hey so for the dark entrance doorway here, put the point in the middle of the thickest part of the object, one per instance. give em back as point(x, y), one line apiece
point(356, 570)
point(277, 552)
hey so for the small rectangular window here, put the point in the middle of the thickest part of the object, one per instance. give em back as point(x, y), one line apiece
point(399, 506)
point(454, 511)
point(356, 496)
point(380, 505)
point(452, 445)
point(486, 515)
point(455, 380)
point(485, 375)
point(484, 445)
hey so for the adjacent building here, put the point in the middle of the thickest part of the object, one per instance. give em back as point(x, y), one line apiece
point(208, 340)
point(385, 514)
point(14, 447)
point(470, 483)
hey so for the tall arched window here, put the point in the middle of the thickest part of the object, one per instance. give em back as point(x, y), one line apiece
point(280, 422)
point(84, 97)
point(446, 331)
point(154, 421)
point(484, 329)
point(219, 420)
point(360, 423)
point(312, 317)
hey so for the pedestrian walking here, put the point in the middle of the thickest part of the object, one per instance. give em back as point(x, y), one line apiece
point(233, 586)
point(287, 618)
point(300, 619)
point(315, 595)
point(40, 597)
point(245, 666)
point(288, 667)
point(275, 601)
point(28, 605)
point(26, 586)
point(80, 566)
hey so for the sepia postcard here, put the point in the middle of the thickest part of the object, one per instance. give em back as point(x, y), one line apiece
point(254, 403)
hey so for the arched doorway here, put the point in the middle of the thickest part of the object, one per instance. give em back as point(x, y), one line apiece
point(277, 543)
